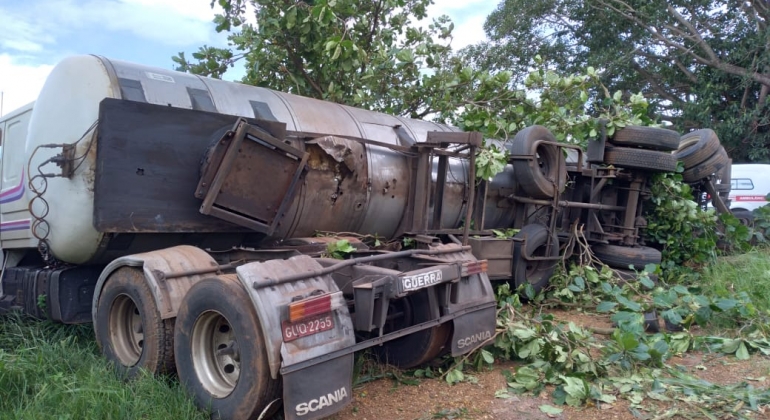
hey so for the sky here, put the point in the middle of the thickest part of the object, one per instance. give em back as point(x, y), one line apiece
point(36, 34)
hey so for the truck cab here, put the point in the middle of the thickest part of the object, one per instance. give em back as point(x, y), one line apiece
point(14, 213)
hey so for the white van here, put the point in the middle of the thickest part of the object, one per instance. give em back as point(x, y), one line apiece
point(749, 186)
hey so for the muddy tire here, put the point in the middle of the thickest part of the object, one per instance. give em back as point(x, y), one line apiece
point(646, 137)
point(645, 160)
point(220, 351)
point(129, 329)
point(417, 348)
point(623, 257)
point(539, 177)
point(696, 147)
point(536, 273)
point(710, 166)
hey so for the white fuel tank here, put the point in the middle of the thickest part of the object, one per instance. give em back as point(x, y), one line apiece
point(67, 109)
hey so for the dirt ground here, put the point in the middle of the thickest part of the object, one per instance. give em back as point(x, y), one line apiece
point(435, 399)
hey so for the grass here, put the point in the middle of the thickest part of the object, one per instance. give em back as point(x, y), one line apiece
point(53, 371)
point(749, 272)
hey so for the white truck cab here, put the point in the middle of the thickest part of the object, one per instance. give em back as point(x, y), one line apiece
point(14, 213)
point(749, 186)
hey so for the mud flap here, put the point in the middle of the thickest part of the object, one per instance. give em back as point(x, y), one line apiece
point(319, 390)
point(472, 330)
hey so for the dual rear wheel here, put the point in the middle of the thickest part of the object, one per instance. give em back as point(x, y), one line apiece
point(216, 337)
point(221, 357)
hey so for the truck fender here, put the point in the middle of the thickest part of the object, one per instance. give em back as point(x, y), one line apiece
point(168, 293)
point(271, 301)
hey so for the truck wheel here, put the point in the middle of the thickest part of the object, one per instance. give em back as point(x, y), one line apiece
point(220, 354)
point(713, 164)
point(746, 217)
point(536, 273)
point(129, 328)
point(539, 177)
point(647, 137)
point(646, 160)
point(416, 348)
point(696, 147)
point(617, 256)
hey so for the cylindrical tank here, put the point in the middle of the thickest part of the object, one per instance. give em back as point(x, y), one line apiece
point(69, 104)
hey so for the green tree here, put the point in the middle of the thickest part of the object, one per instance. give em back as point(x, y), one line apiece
point(371, 54)
point(704, 63)
point(374, 55)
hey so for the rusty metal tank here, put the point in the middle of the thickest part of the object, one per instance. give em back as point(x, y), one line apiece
point(371, 201)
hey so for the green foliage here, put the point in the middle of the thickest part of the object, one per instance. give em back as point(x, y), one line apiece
point(697, 76)
point(42, 302)
point(374, 55)
point(575, 107)
point(505, 233)
point(686, 233)
point(631, 362)
point(490, 161)
point(339, 249)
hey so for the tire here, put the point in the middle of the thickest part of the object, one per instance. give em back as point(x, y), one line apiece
point(217, 316)
point(646, 137)
point(416, 348)
point(536, 273)
point(651, 322)
point(624, 257)
point(646, 160)
point(746, 217)
point(696, 147)
point(129, 329)
point(539, 177)
point(708, 167)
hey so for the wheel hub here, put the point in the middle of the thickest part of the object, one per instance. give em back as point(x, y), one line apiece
point(215, 353)
point(126, 330)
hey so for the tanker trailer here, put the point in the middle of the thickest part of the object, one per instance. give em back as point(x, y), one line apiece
point(178, 213)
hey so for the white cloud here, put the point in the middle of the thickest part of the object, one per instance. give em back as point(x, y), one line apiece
point(468, 17)
point(170, 22)
point(19, 34)
point(167, 22)
point(20, 83)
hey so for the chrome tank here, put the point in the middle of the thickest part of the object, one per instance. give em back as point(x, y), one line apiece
point(69, 104)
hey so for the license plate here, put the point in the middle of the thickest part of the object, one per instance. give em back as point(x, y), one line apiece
point(421, 281)
point(294, 330)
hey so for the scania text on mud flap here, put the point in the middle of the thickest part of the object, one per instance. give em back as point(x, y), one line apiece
point(475, 340)
point(321, 402)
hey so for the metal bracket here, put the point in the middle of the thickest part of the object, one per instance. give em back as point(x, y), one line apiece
point(232, 186)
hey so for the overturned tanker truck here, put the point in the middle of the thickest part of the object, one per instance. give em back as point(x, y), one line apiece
point(180, 215)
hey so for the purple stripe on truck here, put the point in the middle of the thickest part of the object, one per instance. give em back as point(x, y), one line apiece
point(14, 193)
point(14, 225)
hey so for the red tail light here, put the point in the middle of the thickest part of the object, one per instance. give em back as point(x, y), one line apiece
point(305, 308)
point(473, 267)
